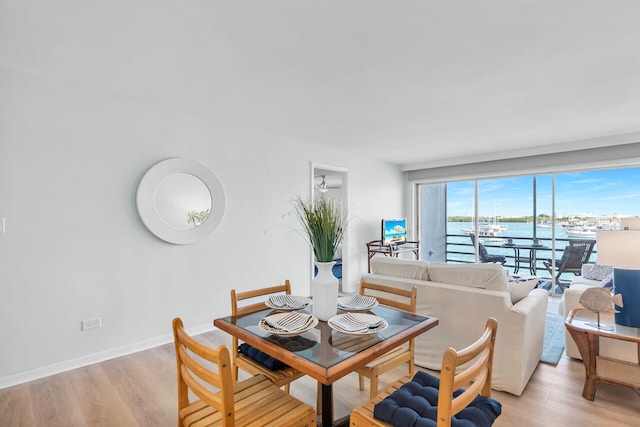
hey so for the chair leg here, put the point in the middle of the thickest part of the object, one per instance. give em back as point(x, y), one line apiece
point(235, 373)
point(374, 386)
point(361, 381)
point(287, 387)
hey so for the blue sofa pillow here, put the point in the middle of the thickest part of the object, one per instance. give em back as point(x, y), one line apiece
point(415, 404)
point(262, 358)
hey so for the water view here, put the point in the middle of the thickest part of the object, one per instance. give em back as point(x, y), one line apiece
point(460, 246)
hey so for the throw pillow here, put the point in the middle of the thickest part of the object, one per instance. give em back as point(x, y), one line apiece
point(519, 287)
point(606, 283)
point(599, 272)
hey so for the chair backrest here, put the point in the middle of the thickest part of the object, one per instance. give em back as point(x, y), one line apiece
point(237, 310)
point(401, 299)
point(195, 374)
point(575, 255)
point(483, 255)
point(479, 370)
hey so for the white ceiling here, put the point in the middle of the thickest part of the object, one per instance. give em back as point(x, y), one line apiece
point(412, 82)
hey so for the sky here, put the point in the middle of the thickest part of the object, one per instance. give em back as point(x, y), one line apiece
point(601, 192)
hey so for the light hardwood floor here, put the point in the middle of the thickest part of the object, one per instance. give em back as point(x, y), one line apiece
point(140, 390)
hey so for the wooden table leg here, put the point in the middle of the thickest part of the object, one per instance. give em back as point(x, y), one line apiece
point(588, 346)
point(589, 391)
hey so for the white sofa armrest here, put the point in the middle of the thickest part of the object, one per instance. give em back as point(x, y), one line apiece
point(532, 302)
point(532, 312)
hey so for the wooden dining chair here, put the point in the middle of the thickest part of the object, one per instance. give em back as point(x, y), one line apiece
point(401, 299)
point(425, 391)
point(254, 401)
point(280, 377)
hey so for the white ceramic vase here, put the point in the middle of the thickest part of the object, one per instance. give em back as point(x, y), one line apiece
point(324, 291)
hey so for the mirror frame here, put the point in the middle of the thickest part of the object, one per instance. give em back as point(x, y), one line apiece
point(145, 201)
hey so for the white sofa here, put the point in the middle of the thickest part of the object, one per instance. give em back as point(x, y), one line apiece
point(463, 297)
point(616, 349)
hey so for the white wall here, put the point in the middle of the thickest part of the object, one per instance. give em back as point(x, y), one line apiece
point(74, 247)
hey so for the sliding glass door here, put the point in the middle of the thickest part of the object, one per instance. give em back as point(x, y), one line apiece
point(514, 216)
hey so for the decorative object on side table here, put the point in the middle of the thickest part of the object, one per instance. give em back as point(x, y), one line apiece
point(323, 221)
point(621, 249)
point(600, 300)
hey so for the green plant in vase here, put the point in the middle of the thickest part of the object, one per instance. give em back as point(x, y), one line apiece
point(323, 221)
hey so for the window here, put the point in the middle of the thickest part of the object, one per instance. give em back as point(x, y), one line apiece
point(515, 212)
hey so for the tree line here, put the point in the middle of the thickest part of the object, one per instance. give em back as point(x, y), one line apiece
point(524, 219)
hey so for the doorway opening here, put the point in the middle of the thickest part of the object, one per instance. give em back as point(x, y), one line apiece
point(333, 182)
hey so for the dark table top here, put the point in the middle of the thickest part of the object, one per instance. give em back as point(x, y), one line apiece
point(322, 352)
point(526, 246)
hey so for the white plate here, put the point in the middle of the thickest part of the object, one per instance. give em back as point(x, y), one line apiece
point(275, 317)
point(349, 298)
point(369, 318)
point(304, 300)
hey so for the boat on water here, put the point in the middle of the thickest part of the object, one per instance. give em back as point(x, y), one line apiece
point(586, 226)
point(486, 230)
point(581, 232)
point(588, 231)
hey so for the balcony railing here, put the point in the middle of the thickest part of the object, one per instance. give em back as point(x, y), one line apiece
point(460, 249)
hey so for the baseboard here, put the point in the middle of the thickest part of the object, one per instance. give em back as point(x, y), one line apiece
point(90, 359)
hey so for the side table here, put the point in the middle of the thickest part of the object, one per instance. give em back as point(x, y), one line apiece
point(582, 325)
point(531, 260)
point(377, 247)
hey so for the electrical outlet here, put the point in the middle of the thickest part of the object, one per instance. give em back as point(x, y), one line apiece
point(94, 323)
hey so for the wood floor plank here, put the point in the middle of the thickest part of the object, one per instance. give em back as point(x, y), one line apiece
point(16, 408)
point(139, 390)
point(54, 402)
point(157, 369)
point(97, 398)
point(141, 399)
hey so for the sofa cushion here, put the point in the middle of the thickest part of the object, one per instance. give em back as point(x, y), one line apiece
point(415, 404)
point(485, 276)
point(262, 358)
point(520, 286)
point(398, 267)
point(606, 282)
point(599, 272)
point(581, 280)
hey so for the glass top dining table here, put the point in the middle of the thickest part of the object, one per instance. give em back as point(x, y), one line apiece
point(324, 353)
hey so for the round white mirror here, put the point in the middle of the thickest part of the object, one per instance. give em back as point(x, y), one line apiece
point(180, 201)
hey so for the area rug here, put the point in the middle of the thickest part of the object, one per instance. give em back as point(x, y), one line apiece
point(546, 285)
point(553, 335)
